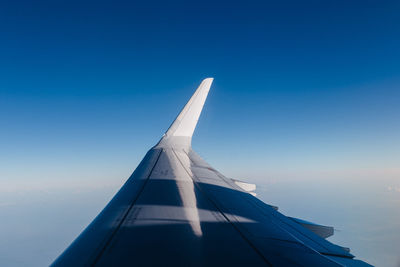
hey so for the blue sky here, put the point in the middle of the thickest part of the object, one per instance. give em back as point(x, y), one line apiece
point(305, 94)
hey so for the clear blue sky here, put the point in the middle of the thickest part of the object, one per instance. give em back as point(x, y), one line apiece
point(303, 91)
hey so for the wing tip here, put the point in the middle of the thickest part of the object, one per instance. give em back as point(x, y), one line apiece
point(208, 80)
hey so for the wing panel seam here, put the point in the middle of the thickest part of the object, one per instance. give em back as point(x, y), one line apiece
point(219, 210)
point(108, 242)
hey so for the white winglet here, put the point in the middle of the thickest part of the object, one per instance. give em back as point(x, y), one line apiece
point(186, 121)
point(183, 127)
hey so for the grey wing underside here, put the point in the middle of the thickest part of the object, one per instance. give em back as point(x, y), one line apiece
point(177, 210)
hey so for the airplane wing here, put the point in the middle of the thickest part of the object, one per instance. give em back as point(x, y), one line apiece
point(177, 210)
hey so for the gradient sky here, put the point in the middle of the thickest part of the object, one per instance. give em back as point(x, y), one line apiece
point(305, 102)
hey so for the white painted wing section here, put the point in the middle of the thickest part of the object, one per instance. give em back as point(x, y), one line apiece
point(248, 187)
point(186, 121)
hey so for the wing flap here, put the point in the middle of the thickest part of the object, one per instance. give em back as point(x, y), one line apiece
point(321, 230)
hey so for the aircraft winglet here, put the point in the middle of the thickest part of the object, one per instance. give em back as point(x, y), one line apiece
point(186, 122)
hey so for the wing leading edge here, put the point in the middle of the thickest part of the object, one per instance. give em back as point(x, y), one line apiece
point(176, 209)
